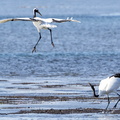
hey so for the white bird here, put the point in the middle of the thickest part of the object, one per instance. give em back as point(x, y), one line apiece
point(107, 86)
point(40, 23)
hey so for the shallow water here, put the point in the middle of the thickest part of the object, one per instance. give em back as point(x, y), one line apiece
point(84, 52)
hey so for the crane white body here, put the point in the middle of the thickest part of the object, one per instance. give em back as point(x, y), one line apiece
point(109, 85)
point(43, 23)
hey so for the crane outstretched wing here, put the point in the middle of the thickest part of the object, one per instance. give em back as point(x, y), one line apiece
point(17, 19)
point(65, 20)
point(50, 20)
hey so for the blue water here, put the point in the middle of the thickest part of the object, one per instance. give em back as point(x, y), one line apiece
point(84, 50)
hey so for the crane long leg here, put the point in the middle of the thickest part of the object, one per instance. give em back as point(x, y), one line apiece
point(51, 37)
point(108, 103)
point(117, 101)
point(34, 49)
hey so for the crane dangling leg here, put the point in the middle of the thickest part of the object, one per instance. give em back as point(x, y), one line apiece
point(51, 37)
point(34, 49)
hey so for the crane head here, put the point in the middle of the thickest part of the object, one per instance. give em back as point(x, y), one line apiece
point(35, 10)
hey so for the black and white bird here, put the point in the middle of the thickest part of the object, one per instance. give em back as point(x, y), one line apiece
point(41, 23)
point(107, 86)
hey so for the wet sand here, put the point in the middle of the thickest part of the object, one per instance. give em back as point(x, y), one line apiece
point(26, 99)
point(52, 98)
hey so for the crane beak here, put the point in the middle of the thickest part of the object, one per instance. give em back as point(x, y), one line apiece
point(39, 13)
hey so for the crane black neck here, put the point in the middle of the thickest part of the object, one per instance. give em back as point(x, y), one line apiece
point(92, 86)
point(96, 95)
point(34, 14)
